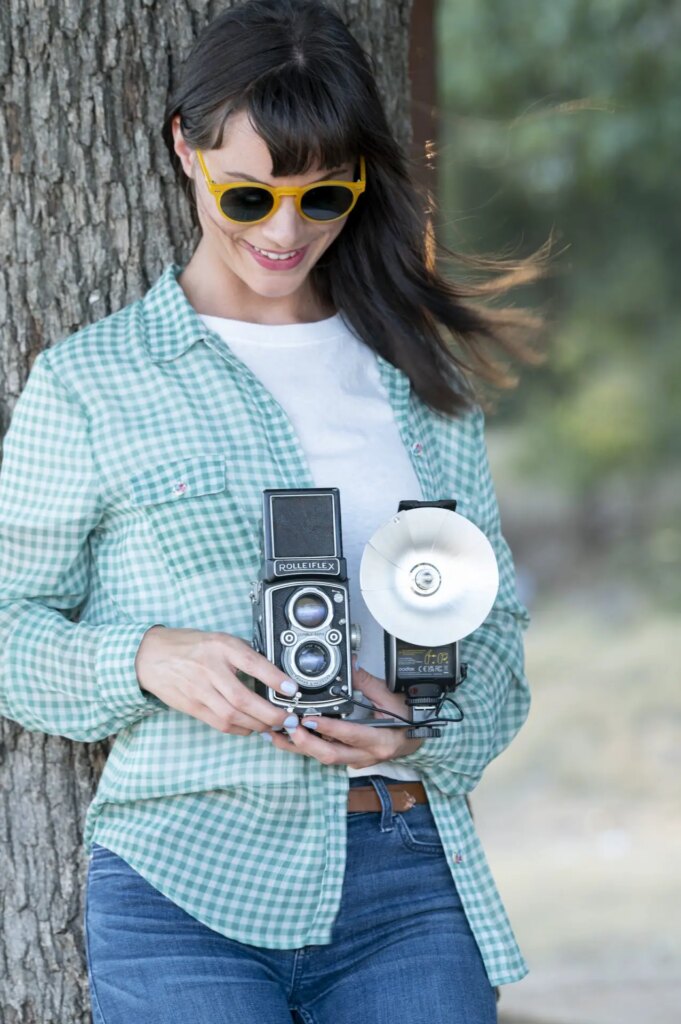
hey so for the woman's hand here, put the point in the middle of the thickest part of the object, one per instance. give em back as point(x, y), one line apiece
point(335, 741)
point(196, 672)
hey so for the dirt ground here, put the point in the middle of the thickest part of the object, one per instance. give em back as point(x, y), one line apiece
point(580, 818)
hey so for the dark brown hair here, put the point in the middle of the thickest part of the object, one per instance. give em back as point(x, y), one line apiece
point(310, 92)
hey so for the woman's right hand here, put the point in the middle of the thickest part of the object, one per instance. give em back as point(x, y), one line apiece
point(195, 672)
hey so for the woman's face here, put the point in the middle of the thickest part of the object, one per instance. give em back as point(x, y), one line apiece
point(245, 155)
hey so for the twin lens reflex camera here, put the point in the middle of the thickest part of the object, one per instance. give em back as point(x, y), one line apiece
point(301, 606)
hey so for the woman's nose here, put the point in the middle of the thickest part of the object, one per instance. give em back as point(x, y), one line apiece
point(283, 229)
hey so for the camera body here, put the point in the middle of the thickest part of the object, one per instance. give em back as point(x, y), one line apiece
point(300, 603)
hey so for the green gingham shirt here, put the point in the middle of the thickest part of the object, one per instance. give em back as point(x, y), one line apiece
point(98, 544)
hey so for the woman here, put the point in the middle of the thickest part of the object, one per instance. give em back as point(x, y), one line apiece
point(243, 868)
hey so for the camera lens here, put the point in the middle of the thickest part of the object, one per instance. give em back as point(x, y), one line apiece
point(309, 610)
point(312, 659)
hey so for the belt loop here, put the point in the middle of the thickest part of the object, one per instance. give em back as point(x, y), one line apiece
point(381, 788)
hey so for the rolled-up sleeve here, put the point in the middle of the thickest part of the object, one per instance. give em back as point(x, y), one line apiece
point(57, 675)
point(495, 696)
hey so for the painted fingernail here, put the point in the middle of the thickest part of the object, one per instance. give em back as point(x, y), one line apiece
point(289, 687)
point(309, 725)
point(266, 736)
point(291, 722)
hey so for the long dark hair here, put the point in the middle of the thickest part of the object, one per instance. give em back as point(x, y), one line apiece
point(310, 93)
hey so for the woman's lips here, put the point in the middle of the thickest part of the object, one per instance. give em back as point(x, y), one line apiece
point(269, 264)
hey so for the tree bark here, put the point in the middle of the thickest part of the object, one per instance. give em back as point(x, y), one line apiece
point(89, 215)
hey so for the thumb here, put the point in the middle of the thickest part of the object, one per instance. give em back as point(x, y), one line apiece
point(377, 692)
point(364, 680)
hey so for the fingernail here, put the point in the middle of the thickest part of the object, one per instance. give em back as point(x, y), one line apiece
point(291, 722)
point(309, 725)
point(289, 687)
point(266, 736)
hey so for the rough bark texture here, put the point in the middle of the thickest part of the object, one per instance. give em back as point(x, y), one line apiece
point(89, 215)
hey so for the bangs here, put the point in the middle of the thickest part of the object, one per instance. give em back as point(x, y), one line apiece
point(304, 119)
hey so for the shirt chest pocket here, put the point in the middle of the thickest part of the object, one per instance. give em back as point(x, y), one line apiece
point(196, 519)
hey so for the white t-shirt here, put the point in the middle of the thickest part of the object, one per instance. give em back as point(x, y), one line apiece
point(328, 383)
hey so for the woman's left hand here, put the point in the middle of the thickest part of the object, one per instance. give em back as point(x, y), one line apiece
point(336, 741)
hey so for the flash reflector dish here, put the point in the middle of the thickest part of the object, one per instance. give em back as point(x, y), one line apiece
point(429, 576)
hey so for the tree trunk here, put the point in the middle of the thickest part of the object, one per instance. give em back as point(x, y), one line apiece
point(423, 80)
point(89, 215)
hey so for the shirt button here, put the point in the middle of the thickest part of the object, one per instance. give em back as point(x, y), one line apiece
point(180, 487)
point(417, 448)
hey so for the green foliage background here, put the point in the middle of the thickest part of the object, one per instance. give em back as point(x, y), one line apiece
point(567, 116)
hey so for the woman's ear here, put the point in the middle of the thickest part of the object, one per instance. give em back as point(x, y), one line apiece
point(185, 154)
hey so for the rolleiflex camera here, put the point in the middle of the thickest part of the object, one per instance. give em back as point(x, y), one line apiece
point(301, 607)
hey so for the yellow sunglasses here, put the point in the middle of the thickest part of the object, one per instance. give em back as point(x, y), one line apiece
point(249, 202)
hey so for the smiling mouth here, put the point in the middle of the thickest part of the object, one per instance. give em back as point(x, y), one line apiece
point(276, 254)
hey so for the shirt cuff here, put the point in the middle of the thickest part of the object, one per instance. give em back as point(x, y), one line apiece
point(434, 749)
point(115, 669)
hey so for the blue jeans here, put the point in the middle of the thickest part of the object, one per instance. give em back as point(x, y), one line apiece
point(402, 949)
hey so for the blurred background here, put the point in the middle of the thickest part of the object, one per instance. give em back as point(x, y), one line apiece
point(565, 117)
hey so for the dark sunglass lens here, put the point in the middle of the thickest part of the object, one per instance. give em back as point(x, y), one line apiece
point(246, 204)
point(327, 202)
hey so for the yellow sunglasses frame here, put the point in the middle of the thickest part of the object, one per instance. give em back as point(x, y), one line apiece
point(356, 187)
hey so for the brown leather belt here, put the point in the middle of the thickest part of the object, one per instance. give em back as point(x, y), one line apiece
point(402, 794)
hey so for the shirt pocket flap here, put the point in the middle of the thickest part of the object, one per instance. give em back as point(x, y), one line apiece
point(178, 479)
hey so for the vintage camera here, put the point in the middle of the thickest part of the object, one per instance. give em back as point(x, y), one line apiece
point(301, 607)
